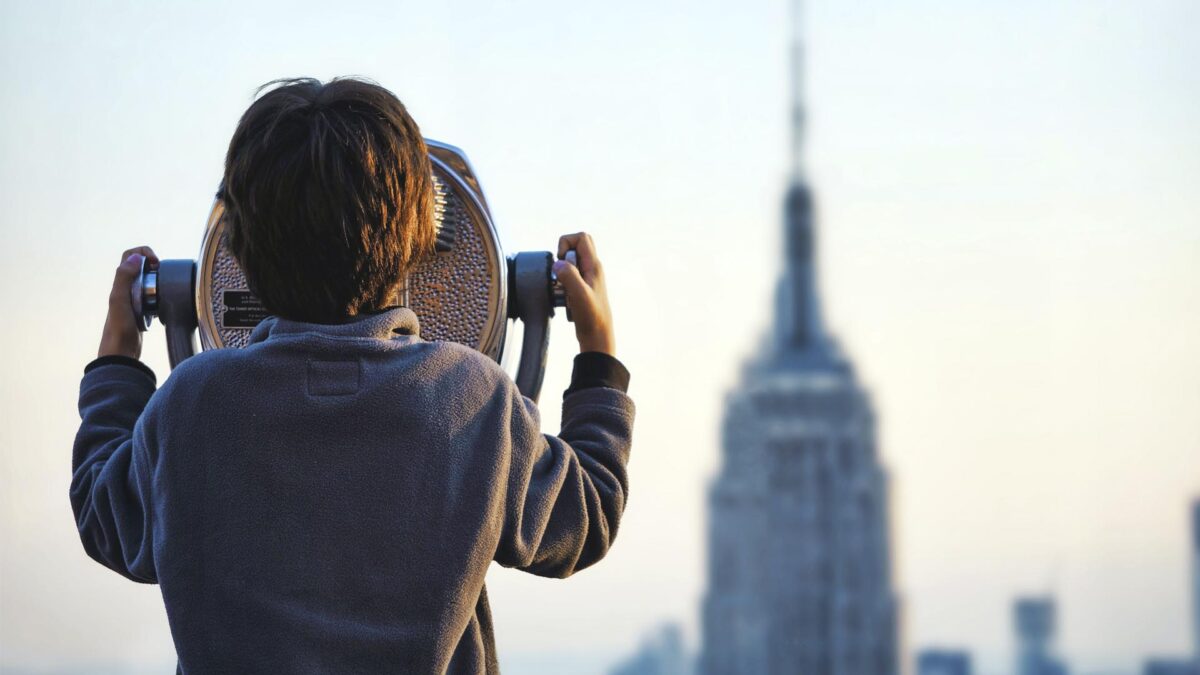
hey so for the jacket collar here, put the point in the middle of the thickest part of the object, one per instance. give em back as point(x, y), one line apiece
point(386, 324)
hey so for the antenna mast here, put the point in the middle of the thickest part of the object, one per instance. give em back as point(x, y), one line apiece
point(797, 91)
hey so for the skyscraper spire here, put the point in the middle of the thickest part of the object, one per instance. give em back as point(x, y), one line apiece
point(800, 327)
point(796, 97)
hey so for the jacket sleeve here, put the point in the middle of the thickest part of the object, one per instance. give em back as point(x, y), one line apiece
point(566, 493)
point(110, 485)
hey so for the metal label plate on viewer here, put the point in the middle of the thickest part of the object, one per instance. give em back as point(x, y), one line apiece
point(240, 309)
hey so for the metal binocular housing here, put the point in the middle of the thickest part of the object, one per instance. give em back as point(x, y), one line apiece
point(466, 293)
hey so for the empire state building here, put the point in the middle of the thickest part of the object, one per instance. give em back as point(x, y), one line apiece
point(799, 571)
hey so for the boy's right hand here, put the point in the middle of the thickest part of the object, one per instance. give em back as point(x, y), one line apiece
point(121, 335)
point(587, 297)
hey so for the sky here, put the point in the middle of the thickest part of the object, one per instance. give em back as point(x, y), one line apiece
point(1009, 242)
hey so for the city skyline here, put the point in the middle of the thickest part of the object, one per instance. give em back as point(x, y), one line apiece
point(1035, 627)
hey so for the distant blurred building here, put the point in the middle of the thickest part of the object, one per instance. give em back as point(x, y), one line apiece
point(1196, 578)
point(1160, 666)
point(799, 571)
point(943, 662)
point(661, 653)
point(1036, 628)
point(1171, 667)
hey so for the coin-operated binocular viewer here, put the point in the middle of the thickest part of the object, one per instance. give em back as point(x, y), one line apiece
point(466, 293)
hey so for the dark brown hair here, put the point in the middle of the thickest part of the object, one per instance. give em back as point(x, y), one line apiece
point(329, 197)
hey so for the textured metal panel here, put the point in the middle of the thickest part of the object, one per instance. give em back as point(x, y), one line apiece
point(459, 295)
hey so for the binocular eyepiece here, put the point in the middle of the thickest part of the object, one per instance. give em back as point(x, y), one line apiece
point(467, 292)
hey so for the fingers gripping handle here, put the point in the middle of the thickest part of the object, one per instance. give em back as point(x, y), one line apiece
point(560, 293)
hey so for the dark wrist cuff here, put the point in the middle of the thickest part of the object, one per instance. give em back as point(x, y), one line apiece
point(597, 369)
point(118, 359)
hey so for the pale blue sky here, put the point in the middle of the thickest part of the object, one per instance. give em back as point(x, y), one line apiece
point(1010, 250)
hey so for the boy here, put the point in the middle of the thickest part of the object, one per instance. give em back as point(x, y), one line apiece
point(329, 499)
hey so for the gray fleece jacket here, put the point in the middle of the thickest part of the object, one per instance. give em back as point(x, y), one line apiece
point(329, 499)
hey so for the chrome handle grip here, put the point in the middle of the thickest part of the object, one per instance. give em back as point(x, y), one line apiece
point(144, 296)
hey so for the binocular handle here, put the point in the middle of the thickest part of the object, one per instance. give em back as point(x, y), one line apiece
point(169, 292)
point(531, 299)
point(534, 292)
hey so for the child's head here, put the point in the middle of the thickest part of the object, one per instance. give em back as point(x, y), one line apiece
point(329, 198)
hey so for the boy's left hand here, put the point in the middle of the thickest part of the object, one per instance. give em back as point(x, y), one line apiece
point(121, 336)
